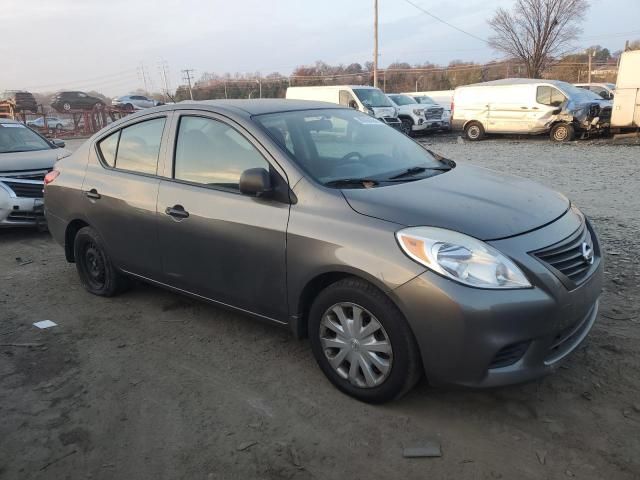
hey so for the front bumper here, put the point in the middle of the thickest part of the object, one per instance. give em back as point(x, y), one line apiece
point(466, 334)
point(20, 211)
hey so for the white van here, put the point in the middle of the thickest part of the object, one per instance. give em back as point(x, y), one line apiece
point(369, 100)
point(626, 103)
point(529, 106)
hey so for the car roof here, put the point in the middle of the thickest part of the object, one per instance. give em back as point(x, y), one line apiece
point(256, 106)
point(514, 81)
point(8, 120)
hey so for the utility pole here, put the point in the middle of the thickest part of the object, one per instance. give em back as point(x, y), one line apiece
point(163, 74)
point(187, 76)
point(375, 43)
point(590, 53)
point(143, 74)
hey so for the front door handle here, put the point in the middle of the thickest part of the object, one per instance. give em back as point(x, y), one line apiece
point(177, 211)
point(93, 194)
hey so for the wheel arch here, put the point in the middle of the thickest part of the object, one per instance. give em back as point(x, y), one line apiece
point(69, 236)
point(304, 299)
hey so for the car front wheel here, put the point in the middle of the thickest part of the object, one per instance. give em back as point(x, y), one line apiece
point(362, 342)
point(474, 131)
point(407, 126)
point(562, 132)
point(97, 273)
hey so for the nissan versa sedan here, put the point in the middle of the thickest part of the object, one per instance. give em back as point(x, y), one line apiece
point(394, 261)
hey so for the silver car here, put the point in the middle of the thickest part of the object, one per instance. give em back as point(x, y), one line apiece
point(25, 158)
point(135, 102)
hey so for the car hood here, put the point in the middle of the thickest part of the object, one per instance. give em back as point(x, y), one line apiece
point(468, 199)
point(39, 159)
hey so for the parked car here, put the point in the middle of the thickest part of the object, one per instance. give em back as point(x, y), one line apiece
point(392, 259)
point(434, 112)
point(529, 106)
point(135, 102)
point(24, 101)
point(626, 104)
point(66, 101)
point(53, 123)
point(25, 158)
point(366, 99)
point(605, 90)
point(410, 113)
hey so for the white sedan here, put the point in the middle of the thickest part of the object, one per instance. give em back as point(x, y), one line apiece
point(135, 102)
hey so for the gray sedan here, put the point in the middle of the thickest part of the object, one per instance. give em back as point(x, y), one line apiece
point(25, 158)
point(394, 261)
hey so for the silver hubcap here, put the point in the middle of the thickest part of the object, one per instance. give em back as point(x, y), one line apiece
point(474, 132)
point(356, 345)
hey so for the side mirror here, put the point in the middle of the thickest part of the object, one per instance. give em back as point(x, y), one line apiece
point(255, 182)
point(56, 142)
point(353, 104)
point(556, 111)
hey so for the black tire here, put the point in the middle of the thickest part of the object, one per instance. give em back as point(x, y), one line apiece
point(98, 105)
point(474, 131)
point(407, 126)
point(562, 132)
point(59, 127)
point(129, 107)
point(66, 106)
point(97, 273)
point(406, 365)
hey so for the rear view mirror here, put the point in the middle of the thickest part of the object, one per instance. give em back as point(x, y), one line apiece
point(255, 181)
point(56, 142)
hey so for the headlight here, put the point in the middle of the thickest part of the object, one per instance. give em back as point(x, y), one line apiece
point(461, 258)
point(418, 111)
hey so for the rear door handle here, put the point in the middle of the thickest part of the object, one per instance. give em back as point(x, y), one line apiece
point(93, 194)
point(177, 211)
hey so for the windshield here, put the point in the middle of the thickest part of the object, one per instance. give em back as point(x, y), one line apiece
point(336, 144)
point(427, 100)
point(577, 94)
point(402, 100)
point(15, 137)
point(372, 97)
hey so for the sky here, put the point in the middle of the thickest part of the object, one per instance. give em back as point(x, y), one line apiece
point(50, 45)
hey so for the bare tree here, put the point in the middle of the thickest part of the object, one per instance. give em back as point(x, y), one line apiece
point(535, 31)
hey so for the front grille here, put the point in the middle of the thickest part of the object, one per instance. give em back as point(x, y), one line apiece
point(25, 190)
point(434, 113)
point(20, 216)
point(26, 174)
point(568, 256)
point(509, 355)
point(605, 113)
point(566, 340)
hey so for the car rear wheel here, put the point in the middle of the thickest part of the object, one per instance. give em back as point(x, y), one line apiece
point(362, 342)
point(474, 131)
point(562, 132)
point(97, 273)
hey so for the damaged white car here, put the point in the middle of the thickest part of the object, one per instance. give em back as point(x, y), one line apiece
point(529, 106)
point(25, 158)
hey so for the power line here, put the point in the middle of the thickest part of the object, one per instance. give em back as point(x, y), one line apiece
point(426, 12)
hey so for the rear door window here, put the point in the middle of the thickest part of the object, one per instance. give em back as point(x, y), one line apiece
point(212, 153)
point(135, 148)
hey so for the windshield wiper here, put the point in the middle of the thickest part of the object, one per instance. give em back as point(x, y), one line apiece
point(351, 182)
point(409, 172)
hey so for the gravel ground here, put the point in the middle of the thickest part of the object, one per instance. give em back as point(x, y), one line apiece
point(151, 385)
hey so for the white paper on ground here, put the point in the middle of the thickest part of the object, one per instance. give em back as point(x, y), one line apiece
point(45, 324)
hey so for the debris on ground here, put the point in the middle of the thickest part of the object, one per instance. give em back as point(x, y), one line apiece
point(429, 448)
point(246, 445)
point(45, 324)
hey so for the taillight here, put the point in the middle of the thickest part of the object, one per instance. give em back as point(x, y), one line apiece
point(51, 176)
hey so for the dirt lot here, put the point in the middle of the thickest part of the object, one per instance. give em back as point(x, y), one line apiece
point(150, 385)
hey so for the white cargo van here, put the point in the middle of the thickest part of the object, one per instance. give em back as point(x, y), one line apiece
point(626, 103)
point(529, 106)
point(366, 99)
